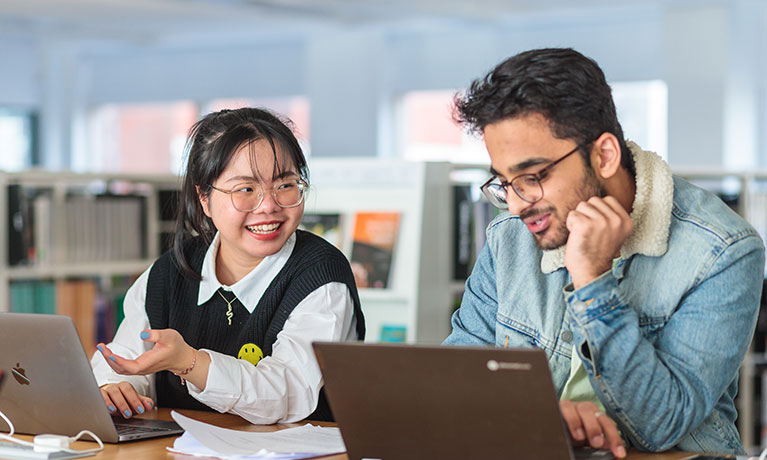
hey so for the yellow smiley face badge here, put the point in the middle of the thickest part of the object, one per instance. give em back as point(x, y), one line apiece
point(250, 353)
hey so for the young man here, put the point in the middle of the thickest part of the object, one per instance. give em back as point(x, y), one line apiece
point(642, 288)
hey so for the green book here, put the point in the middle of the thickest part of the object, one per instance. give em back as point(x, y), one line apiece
point(22, 297)
point(45, 297)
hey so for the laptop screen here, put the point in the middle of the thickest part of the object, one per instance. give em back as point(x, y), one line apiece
point(410, 401)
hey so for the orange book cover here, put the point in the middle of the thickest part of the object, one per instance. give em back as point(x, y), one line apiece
point(373, 243)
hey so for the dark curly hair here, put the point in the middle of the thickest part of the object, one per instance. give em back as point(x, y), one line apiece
point(566, 87)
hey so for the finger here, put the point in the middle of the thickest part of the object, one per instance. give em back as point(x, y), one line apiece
point(150, 335)
point(115, 392)
point(133, 399)
point(139, 366)
point(111, 358)
point(615, 205)
point(597, 215)
point(120, 364)
point(128, 366)
point(596, 208)
point(111, 407)
point(573, 422)
point(613, 440)
point(148, 403)
point(614, 213)
point(602, 207)
point(575, 219)
point(587, 412)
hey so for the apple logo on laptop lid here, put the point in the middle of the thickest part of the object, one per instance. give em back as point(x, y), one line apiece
point(20, 374)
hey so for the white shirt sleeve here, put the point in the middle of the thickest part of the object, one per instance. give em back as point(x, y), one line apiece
point(283, 387)
point(127, 341)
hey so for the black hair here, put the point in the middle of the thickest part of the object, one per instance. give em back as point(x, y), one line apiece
point(210, 146)
point(566, 87)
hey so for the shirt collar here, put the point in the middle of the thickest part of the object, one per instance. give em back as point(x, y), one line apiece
point(651, 212)
point(253, 285)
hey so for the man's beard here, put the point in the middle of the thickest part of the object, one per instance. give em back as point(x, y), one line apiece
point(588, 188)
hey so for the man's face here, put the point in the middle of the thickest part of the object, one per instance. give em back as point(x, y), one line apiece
point(525, 145)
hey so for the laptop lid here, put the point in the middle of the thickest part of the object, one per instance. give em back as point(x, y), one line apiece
point(408, 401)
point(48, 384)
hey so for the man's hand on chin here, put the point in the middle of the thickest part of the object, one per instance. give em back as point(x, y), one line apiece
point(598, 227)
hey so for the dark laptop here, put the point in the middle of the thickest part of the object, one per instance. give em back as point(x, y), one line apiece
point(395, 402)
point(48, 385)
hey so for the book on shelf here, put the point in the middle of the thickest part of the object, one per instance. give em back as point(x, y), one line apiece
point(463, 231)
point(33, 296)
point(168, 204)
point(373, 243)
point(326, 225)
point(20, 236)
point(77, 299)
point(484, 213)
point(100, 227)
point(472, 213)
point(43, 236)
point(110, 307)
point(96, 312)
point(393, 333)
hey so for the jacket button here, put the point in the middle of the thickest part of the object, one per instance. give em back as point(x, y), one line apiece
point(579, 306)
point(567, 336)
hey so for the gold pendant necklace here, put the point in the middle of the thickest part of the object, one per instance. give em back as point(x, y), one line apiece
point(229, 313)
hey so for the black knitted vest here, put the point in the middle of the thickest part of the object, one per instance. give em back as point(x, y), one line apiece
point(171, 302)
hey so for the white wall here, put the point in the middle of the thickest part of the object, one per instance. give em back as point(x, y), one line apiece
point(712, 56)
point(19, 74)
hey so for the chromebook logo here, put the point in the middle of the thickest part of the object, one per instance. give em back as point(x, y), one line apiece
point(494, 365)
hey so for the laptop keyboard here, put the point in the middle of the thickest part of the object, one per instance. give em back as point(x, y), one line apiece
point(138, 426)
point(125, 430)
point(585, 453)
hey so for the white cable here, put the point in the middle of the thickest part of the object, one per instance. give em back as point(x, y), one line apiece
point(47, 442)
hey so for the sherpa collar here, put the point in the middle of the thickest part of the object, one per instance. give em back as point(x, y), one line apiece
point(651, 213)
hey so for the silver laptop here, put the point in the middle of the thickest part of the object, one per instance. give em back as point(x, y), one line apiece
point(48, 385)
point(396, 402)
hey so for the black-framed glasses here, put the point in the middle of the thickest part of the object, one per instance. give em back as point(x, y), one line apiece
point(527, 186)
point(248, 196)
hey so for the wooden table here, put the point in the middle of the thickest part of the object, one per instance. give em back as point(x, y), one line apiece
point(152, 449)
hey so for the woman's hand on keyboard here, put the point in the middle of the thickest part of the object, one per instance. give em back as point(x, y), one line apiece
point(122, 398)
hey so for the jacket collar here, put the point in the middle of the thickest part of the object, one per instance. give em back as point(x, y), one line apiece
point(651, 212)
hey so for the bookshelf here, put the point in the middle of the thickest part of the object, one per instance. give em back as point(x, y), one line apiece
point(52, 247)
point(417, 299)
point(73, 242)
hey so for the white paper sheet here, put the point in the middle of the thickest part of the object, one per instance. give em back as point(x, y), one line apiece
point(188, 445)
point(291, 443)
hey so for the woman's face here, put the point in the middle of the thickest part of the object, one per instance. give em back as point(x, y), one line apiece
point(248, 237)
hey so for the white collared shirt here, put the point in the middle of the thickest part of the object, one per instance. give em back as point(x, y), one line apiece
point(283, 387)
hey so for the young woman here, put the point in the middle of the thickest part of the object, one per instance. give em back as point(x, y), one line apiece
point(225, 320)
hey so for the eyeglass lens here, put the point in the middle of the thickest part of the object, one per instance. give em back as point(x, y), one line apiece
point(286, 192)
point(526, 187)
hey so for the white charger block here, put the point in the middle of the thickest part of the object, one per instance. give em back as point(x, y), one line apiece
point(51, 442)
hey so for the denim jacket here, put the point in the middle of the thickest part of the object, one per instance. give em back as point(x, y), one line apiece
point(661, 335)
